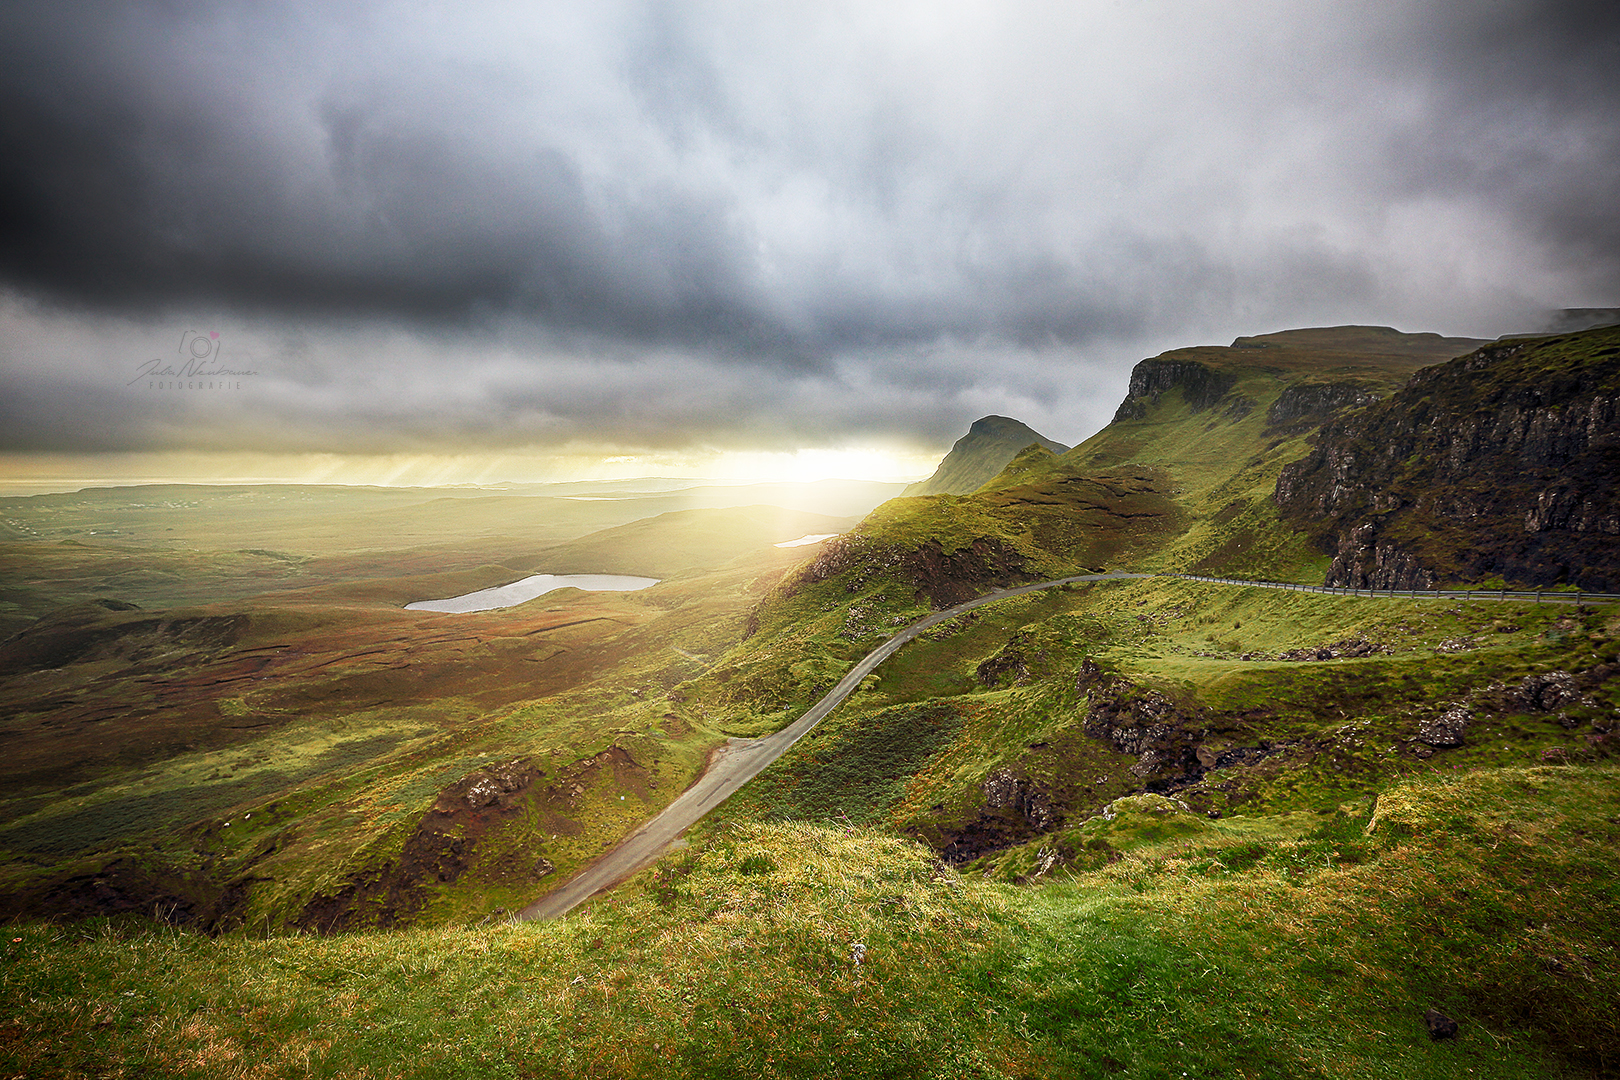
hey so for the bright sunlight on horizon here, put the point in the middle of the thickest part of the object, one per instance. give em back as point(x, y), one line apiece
point(34, 474)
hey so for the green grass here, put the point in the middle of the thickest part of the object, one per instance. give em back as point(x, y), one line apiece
point(1331, 731)
point(855, 770)
point(1490, 896)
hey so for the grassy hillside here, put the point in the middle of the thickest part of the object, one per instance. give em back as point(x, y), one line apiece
point(999, 736)
point(1311, 948)
point(991, 442)
point(1221, 422)
point(994, 739)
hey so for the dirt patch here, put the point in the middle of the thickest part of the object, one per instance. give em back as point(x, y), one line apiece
point(948, 579)
point(121, 887)
point(192, 897)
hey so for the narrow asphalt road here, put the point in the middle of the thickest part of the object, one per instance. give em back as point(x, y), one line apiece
point(740, 760)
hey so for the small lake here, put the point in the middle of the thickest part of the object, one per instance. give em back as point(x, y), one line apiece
point(521, 592)
point(804, 541)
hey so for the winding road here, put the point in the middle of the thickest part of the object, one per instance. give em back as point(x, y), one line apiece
point(740, 760)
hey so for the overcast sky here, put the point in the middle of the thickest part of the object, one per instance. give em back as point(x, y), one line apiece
point(636, 227)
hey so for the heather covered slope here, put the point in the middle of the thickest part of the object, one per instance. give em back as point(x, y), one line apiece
point(1500, 465)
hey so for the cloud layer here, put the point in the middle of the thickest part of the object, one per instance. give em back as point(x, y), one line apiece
point(659, 224)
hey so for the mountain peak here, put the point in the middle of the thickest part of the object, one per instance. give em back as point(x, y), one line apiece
point(979, 456)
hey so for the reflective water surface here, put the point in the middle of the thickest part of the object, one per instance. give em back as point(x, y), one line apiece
point(530, 587)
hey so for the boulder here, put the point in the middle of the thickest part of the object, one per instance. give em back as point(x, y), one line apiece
point(1447, 728)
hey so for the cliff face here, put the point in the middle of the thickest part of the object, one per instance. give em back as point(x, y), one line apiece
point(1201, 386)
point(1314, 401)
point(1499, 463)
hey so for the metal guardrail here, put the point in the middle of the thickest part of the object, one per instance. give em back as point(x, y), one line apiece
point(1538, 596)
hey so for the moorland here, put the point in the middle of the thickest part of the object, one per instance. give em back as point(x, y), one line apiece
point(1136, 827)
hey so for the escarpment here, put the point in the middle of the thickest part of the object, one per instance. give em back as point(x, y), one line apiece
point(1201, 386)
point(1315, 401)
point(1500, 463)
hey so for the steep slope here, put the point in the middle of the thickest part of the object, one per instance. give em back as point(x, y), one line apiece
point(979, 455)
point(1221, 422)
point(1498, 465)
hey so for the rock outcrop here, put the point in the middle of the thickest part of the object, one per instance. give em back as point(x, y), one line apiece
point(1315, 401)
point(1500, 463)
point(1201, 386)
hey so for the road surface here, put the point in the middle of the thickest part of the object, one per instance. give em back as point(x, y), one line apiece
point(740, 760)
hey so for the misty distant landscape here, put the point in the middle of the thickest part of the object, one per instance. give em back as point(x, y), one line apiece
point(650, 540)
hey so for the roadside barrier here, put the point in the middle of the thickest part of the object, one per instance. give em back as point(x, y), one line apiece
point(1540, 596)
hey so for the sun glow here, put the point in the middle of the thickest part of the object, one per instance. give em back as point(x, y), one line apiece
point(804, 466)
point(31, 474)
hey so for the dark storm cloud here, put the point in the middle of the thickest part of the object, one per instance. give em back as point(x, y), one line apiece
point(649, 220)
point(172, 181)
point(1542, 82)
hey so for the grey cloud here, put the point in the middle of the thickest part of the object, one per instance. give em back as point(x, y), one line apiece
point(676, 222)
point(1525, 117)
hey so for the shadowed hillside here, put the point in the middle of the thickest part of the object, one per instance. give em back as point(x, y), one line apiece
point(1499, 465)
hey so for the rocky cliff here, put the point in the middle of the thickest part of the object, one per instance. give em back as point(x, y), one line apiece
point(1201, 386)
point(1501, 463)
point(1312, 402)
